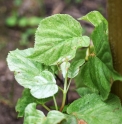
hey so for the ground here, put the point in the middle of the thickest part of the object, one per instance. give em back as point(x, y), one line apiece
point(10, 90)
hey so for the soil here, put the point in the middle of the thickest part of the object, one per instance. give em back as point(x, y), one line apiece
point(10, 90)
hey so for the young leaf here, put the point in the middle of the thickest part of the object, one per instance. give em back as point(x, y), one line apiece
point(64, 68)
point(93, 110)
point(57, 38)
point(30, 74)
point(74, 68)
point(33, 116)
point(26, 99)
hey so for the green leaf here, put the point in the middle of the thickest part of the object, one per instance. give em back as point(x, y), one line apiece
point(102, 49)
point(97, 76)
point(101, 45)
point(57, 39)
point(30, 74)
point(74, 68)
point(99, 36)
point(94, 17)
point(82, 91)
point(33, 116)
point(26, 99)
point(93, 110)
point(98, 73)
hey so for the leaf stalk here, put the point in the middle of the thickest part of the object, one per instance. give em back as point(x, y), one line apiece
point(46, 107)
point(54, 99)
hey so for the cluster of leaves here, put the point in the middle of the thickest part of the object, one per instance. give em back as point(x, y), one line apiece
point(61, 47)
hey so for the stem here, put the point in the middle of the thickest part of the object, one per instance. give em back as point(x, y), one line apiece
point(63, 101)
point(65, 83)
point(60, 88)
point(64, 93)
point(46, 107)
point(55, 103)
point(67, 91)
point(69, 84)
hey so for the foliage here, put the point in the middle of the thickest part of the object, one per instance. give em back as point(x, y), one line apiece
point(61, 47)
point(23, 22)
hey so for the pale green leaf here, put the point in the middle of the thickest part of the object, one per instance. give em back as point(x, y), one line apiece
point(54, 117)
point(26, 99)
point(57, 38)
point(93, 110)
point(74, 68)
point(30, 74)
point(45, 85)
point(33, 116)
point(17, 61)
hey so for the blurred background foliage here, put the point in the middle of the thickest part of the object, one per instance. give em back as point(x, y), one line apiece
point(18, 22)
